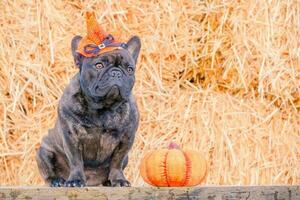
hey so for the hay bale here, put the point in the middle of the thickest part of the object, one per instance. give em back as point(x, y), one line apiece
point(221, 77)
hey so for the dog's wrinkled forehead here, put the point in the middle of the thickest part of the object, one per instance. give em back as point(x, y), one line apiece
point(116, 57)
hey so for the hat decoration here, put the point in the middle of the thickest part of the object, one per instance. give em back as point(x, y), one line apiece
point(97, 41)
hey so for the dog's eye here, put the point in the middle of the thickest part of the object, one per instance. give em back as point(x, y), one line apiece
point(99, 65)
point(130, 70)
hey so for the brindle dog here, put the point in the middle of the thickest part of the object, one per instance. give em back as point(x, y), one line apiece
point(97, 122)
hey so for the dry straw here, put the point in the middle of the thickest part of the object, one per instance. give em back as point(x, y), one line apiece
point(219, 76)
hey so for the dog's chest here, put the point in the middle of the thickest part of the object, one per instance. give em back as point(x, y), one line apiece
point(97, 147)
point(101, 136)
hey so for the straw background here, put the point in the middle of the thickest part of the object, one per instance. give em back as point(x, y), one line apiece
point(222, 77)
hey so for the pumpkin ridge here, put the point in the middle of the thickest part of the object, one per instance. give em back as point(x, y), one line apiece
point(188, 167)
point(144, 169)
point(165, 169)
point(147, 174)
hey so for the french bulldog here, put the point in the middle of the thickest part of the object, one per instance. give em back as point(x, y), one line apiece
point(97, 121)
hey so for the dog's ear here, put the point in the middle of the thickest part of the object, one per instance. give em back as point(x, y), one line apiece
point(134, 47)
point(77, 57)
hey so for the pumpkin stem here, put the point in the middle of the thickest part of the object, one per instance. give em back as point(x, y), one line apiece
point(173, 145)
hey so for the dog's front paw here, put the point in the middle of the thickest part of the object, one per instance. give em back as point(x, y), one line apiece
point(74, 183)
point(57, 182)
point(117, 179)
point(120, 183)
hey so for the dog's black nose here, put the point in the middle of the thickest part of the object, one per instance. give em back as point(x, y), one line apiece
point(116, 74)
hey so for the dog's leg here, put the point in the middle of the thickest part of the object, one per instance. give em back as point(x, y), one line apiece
point(46, 164)
point(125, 162)
point(74, 156)
point(124, 165)
point(118, 163)
point(73, 153)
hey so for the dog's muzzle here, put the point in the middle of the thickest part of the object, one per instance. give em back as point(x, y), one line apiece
point(115, 74)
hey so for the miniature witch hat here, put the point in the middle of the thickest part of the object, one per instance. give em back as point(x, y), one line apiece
point(97, 41)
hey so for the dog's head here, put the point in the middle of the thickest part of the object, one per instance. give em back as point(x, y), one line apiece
point(109, 76)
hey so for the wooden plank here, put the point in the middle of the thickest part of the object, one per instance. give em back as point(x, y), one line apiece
point(140, 193)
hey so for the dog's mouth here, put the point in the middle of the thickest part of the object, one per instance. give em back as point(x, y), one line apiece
point(111, 87)
point(106, 90)
point(113, 93)
point(108, 93)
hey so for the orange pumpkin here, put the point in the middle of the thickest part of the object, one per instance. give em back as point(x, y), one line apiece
point(173, 167)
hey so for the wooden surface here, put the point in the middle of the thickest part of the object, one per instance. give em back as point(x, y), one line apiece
point(100, 193)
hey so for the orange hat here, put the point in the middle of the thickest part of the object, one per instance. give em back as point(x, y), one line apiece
point(97, 41)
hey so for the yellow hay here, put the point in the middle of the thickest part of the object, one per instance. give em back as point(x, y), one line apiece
point(219, 76)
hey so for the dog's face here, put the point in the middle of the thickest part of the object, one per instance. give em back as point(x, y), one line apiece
point(109, 76)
